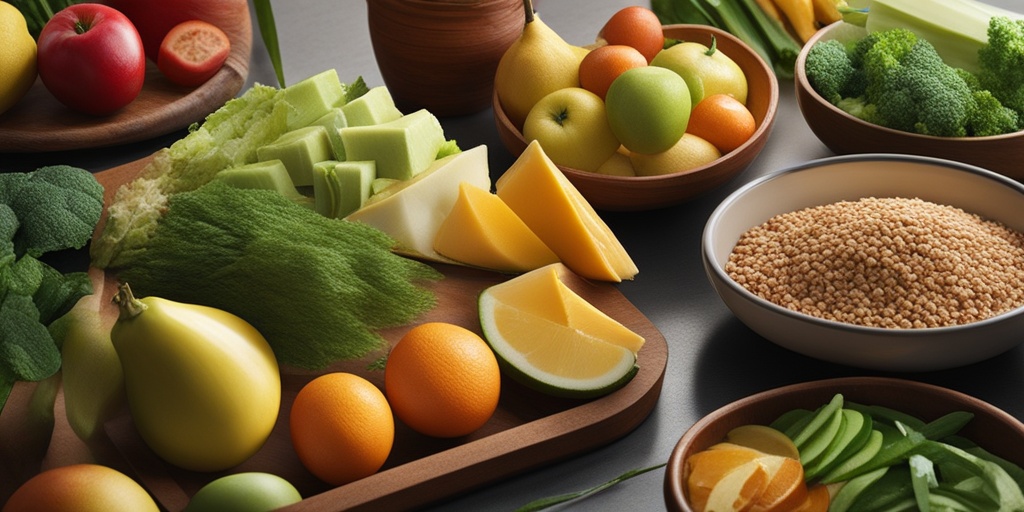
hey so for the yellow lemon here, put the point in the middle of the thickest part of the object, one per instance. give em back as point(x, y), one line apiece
point(688, 153)
point(17, 57)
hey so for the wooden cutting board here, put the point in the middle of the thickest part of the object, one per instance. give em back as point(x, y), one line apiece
point(528, 430)
point(39, 123)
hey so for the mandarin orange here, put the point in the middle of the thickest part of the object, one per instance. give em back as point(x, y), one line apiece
point(604, 64)
point(442, 380)
point(341, 427)
point(723, 121)
point(635, 26)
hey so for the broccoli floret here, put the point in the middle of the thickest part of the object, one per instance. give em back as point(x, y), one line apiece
point(913, 89)
point(828, 69)
point(859, 107)
point(57, 207)
point(990, 117)
point(1001, 62)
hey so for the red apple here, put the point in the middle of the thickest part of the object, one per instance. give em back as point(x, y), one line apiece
point(90, 58)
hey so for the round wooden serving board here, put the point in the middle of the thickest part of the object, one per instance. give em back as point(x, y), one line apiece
point(528, 430)
point(39, 123)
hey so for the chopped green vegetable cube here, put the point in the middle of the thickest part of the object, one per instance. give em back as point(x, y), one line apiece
point(313, 97)
point(299, 149)
point(402, 148)
point(375, 107)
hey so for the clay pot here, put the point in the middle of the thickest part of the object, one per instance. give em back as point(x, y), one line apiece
point(442, 54)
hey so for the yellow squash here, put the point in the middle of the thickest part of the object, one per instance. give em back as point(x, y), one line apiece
point(203, 385)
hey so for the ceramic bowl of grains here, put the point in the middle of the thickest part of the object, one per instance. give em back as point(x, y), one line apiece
point(881, 261)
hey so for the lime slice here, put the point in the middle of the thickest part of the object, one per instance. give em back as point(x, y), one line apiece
point(548, 338)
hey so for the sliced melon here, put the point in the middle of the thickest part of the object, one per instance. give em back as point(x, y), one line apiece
point(554, 209)
point(411, 211)
point(402, 148)
point(549, 338)
point(482, 231)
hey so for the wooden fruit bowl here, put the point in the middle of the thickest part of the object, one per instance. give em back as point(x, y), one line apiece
point(633, 193)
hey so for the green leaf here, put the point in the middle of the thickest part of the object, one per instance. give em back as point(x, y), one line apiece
point(27, 352)
point(268, 29)
point(551, 501)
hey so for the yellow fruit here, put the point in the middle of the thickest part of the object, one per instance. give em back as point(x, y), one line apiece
point(442, 380)
point(81, 488)
point(555, 210)
point(203, 385)
point(93, 379)
point(341, 427)
point(17, 57)
point(482, 231)
point(688, 153)
point(549, 338)
point(537, 63)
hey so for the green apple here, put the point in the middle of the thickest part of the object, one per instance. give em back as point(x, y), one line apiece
point(648, 109)
point(249, 492)
point(706, 70)
point(572, 126)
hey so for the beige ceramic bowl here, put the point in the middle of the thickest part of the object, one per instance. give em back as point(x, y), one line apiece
point(846, 134)
point(991, 428)
point(625, 193)
point(852, 177)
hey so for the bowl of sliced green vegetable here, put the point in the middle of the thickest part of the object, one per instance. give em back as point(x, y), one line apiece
point(861, 443)
point(913, 89)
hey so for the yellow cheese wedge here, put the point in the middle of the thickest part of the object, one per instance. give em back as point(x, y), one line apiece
point(482, 231)
point(549, 338)
point(411, 211)
point(552, 207)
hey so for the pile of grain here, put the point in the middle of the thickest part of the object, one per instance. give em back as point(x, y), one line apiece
point(884, 262)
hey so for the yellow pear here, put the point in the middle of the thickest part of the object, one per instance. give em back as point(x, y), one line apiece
point(537, 63)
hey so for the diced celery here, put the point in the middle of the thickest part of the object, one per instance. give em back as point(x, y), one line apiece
point(268, 175)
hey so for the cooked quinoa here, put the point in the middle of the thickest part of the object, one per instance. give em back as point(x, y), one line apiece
point(884, 262)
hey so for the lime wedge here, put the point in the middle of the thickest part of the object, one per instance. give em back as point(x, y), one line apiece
point(548, 338)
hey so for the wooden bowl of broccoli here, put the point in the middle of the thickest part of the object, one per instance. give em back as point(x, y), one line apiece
point(859, 95)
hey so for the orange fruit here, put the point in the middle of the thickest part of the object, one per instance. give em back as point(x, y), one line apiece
point(442, 380)
point(341, 427)
point(786, 490)
point(635, 26)
point(706, 468)
point(605, 63)
point(81, 488)
point(818, 500)
point(723, 121)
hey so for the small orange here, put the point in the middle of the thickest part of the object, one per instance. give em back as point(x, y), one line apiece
point(341, 427)
point(635, 26)
point(604, 64)
point(723, 121)
point(442, 380)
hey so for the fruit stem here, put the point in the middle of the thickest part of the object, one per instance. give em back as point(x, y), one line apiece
point(528, 9)
point(128, 306)
point(714, 46)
